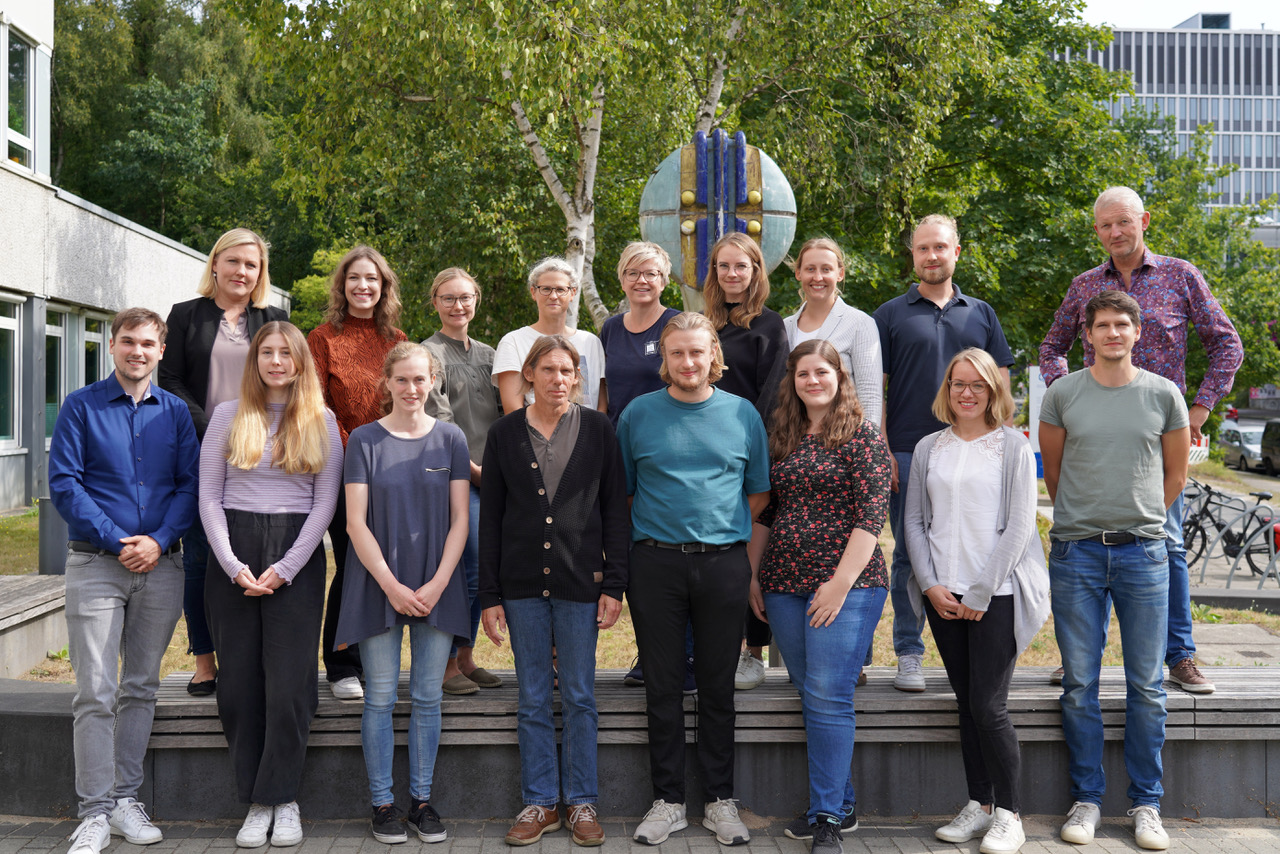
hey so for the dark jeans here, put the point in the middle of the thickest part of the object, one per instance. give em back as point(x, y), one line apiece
point(195, 561)
point(338, 664)
point(267, 652)
point(979, 657)
point(669, 589)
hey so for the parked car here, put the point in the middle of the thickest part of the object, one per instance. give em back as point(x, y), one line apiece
point(1241, 444)
point(1270, 447)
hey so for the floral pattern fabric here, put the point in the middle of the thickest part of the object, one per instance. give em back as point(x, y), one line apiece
point(819, 497)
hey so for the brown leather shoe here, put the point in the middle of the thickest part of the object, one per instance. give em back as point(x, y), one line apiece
point(1189, 677)
point(532, 822)
point(586, 828)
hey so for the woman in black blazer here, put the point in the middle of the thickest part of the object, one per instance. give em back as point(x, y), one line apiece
point(205, 353)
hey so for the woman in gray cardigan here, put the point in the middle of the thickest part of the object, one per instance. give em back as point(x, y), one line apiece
point(980, 578)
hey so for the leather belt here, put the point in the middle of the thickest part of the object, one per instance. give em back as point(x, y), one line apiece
point(1113, 538)
point(89, 548)
point(687, 548)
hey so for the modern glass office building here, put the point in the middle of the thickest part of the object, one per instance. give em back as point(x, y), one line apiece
point(1204, 73)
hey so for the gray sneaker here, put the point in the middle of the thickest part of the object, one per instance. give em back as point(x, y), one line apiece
point(800, 828)
point(910, 676)
point(721, 818)
point(971, 823)
point(826, 837)
point(662, 820)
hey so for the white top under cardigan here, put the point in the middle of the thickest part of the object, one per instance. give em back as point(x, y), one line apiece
point(1018, 554)
point(854, 335)
point(964, 485)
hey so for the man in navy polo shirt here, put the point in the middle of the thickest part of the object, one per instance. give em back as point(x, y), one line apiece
point(919, 333)
point(122, 472)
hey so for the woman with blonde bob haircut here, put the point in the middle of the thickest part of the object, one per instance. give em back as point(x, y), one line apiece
point(203, 364)
point(818, 576)
point(980, 579)
point(270, 468)
point(753, 340)
point(631, 352)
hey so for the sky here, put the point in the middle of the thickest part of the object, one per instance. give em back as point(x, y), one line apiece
point(1166, 14)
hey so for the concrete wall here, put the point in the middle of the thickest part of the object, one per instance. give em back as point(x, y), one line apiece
point(33, 17)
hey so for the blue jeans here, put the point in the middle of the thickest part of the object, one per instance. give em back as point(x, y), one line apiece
point(822, 664)
point(1085, 579)
point(429, 651)
point(195, 560)
point(907, 626)
point(471, 569)
point(118, 626)
point(1180, 644)
point(533, 623)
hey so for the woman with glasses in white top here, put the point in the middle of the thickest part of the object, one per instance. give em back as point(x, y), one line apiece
point(553, 285)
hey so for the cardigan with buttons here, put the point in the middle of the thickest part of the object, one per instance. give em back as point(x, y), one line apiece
point(573, 548)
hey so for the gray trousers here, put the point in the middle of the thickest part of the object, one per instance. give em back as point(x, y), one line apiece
point(119, 624)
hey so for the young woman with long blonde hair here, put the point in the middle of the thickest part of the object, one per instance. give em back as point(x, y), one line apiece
point(270, 468)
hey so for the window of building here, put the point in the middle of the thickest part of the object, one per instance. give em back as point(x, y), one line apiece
point(55, 387)
point(9, 365)
point(20, 107)
point(97, 361)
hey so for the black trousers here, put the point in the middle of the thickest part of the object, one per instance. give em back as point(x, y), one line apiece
point(669, 589)
point(338, 664)
point(267, 655)
point(979, 657)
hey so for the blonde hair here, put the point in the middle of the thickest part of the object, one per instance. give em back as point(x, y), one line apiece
point(547, 344)
point(301, 441)
point(999, 401)
point(208, 286)
point(691, 321)
point(400, 352)
point(1124, 198)
point(940, 220)
point(752, 305)
point(790, 422)
point(639, 251)
point(815, 243)
point(448, 274)
point(386, 311)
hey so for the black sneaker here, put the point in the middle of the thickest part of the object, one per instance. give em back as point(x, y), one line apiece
point(388, 825)
point(801, 829)
point(826, 837)
point(635, 676)
point(426, 821)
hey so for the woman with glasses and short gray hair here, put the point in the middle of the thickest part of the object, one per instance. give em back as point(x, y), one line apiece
point(631, 339)
point(553, 285)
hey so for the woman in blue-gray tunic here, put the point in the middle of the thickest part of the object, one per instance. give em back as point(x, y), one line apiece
point(407, 492)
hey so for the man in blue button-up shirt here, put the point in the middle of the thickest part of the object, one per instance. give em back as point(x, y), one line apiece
point(122, 472)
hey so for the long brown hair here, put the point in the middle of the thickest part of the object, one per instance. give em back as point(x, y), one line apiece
point(386, 312)
point(301, 443)
point(791, 419)
point(752, 305)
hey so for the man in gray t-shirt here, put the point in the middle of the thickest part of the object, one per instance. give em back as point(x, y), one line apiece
point(1114, 439)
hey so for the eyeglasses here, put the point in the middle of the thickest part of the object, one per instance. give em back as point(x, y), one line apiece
point(978, 388)
point(647, 275)
point(448, 301)
point(552, 292)
point(740, 269)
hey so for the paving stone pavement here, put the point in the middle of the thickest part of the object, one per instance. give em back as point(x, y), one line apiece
point(874, 836)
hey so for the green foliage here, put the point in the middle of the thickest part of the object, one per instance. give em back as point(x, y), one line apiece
point(1202, 612)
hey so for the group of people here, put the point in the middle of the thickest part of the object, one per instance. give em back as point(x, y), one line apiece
point(703, 466)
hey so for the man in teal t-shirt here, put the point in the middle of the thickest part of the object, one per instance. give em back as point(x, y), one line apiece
point(697, 464)
point(1114, 439)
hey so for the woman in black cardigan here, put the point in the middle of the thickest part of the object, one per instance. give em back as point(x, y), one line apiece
point(221, 322)
point(555, 530)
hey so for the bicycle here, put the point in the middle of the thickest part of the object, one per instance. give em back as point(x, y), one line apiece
point(1213, 515)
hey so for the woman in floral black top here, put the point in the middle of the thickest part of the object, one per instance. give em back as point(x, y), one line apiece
point(818, 575)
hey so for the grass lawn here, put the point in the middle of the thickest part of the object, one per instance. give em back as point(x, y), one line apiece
point(20, 543)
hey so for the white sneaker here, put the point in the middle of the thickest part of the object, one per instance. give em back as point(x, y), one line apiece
point(910, 676)
point(91, 836)
point(1147, 829)
point(1082, 822)
point(287, 828)
point(347, 688)
point(662, 820)
point(750, 672)
point(721, 818)
point(1005, 835)
point(253, 833)
point(131, 821)
point(971, 823)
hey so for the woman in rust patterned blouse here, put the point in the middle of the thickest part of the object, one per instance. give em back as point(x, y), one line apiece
point(349, 349)
point(818, 576)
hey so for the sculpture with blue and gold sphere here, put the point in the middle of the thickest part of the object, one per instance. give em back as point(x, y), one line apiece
point(711, 187)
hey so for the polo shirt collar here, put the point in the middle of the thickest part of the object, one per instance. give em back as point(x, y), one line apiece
point(914, 295)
